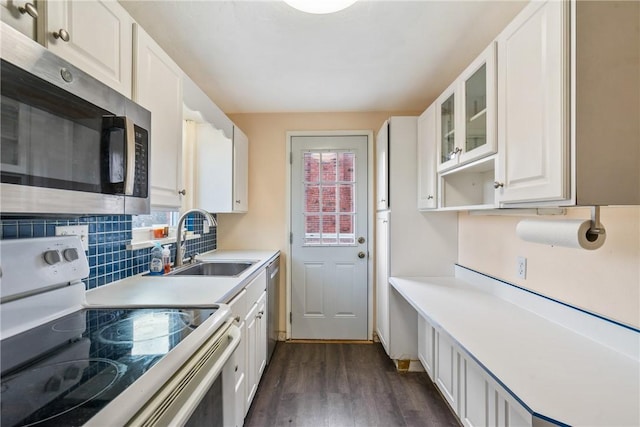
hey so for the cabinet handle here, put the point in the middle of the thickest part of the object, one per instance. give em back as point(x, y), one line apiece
point(238, 201)
point(497, 184)
point(237, 319)
point(183, 192)
point(259, 315)
point(61, 34)
point(29, 9)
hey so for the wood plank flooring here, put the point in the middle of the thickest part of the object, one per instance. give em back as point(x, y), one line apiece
point(335, 385)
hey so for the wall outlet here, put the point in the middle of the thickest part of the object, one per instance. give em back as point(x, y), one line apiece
point(522, 267)
point(205, 226)
point(75, 230)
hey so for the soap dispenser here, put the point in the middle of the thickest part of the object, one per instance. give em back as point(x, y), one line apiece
point(155, 266)
point(166, 259)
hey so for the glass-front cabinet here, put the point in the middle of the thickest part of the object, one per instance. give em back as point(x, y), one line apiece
point(467, 114)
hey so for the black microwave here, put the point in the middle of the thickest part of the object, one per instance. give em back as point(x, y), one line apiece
point(70, 144)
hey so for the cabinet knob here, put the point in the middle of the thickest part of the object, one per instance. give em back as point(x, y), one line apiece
point(183, 192)
point(29, 9)
point(497, 184)
point(429, 197)
point(61, 34)
point(238, 201)
point(237, 319)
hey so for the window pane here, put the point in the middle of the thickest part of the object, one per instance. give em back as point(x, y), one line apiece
point(312, 167)
point(347, 233)
point(312, 230)
point(346, 166)
point(346, 197)
point(329, 167)
point(328, 198)
point(329, 235)
point(312, 198)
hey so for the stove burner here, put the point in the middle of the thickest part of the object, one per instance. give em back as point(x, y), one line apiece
point(145, 327)
point(56, 386)
point(77, 323)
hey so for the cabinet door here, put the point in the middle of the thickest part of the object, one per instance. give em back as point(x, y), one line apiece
point(238, 306)
point(426, 336)
point(474, 394)
point(99, 39)
point(252, 356)
point(427, 175)
point(477, 86)
point(447, 368)
point(262, 336)
point(15, 14)
point(533, 125)
point(158, 88)
point(446, 123)
point(240, 200)
point(382, 167)
point(382, 278)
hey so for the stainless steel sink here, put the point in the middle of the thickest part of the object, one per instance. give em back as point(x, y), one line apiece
point(214, 268)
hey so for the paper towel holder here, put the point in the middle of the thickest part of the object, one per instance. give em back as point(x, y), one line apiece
point(596, 226)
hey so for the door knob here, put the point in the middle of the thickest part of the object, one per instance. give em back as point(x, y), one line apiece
point(361, 255)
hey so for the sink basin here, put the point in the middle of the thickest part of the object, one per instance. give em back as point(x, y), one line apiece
point(213, 268)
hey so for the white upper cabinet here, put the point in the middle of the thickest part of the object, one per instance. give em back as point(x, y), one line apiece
point(427, 157)
point(94, 35)
point(569, 102)
point(158, 88)
point(21, 15)
point(533, 86)
point(222, 169)
point(382, 167)
point(466, 114)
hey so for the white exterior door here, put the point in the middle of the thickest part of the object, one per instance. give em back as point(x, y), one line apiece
point(329, 245)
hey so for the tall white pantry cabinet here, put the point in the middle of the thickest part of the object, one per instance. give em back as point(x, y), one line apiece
point(408, 242)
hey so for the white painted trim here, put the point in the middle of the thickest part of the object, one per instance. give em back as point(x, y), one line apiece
point(370, 218)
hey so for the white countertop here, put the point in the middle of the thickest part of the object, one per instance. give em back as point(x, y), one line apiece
point(556, 372)
point(181, 290)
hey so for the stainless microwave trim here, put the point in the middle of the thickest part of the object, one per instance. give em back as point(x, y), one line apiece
point(34, 58)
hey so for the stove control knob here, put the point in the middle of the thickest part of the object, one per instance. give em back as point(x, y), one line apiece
point(70, 254)
point(52, 257)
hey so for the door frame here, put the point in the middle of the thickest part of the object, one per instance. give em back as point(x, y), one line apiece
point(369, 213)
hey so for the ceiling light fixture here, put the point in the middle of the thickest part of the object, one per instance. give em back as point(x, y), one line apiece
point(320, 6)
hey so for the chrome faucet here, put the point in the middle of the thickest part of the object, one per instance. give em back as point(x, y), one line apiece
point(210, 219)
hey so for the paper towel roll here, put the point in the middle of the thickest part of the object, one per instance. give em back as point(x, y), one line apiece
point(571, 233)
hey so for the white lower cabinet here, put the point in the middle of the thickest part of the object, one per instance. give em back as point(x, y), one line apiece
point(475, 397)
point(447, 369)
point(249, 310)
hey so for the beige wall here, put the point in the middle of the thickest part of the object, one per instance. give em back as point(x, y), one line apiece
point(264, 226)
point(605, 281)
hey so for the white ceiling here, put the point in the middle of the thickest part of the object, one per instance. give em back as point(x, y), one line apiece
point(264, 56)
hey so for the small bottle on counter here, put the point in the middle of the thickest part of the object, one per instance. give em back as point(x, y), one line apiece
point(166, 259)
point(155, 266)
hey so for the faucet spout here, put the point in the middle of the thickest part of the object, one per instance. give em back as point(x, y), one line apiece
point(210, 219)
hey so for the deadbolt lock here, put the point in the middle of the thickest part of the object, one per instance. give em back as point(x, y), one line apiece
point(361, 255)
point(361, 240)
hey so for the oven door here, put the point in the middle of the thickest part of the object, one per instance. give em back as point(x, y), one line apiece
point(202, 392)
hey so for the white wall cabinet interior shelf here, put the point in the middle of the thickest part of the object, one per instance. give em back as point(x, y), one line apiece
point(568, 105)
point(408, 242)
point(158, 88)
point(21, 15)
point(222, 165)
point(427, 159)
point(471, 186)
point(466, 114)
point(94, 35)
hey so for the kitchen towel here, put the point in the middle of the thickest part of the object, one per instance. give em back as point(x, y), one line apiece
point(571, 233)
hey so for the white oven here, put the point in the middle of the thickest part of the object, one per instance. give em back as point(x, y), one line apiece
point(64, 363)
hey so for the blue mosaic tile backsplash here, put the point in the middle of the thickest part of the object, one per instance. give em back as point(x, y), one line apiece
point(109, 259)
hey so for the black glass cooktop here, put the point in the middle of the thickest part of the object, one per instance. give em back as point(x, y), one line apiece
point(65, 371)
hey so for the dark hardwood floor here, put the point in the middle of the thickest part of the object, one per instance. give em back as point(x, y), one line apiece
point(327, 384)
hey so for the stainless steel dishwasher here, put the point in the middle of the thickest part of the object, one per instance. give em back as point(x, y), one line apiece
point(273, 277)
